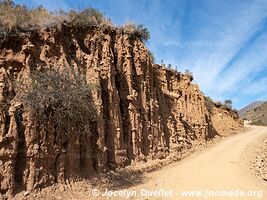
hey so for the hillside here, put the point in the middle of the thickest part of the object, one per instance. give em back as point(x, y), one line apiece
point(242, 112)
point(257, 115)
point(141, 110)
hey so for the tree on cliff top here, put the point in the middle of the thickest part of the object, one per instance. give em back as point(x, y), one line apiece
point(228, 103)
point(189, 74)
point(62, 98)
point(138, 30)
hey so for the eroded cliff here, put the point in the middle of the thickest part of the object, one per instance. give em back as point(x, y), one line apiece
point(145, 111)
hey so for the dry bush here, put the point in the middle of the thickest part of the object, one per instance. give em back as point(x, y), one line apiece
point(60, 99)
point(218, 104)
point(189, 74)
point(40, 17)
point(7, 16)
point(209, 103)
point(19, 17)
point(137, 30)
point(228, 104)
point(88, 17)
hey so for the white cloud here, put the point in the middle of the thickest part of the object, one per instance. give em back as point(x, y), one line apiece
point(209, 63)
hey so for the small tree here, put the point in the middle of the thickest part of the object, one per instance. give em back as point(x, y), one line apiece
point(137, 30)
point(228, 103)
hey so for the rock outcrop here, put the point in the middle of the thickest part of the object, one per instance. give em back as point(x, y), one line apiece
point(145, 111)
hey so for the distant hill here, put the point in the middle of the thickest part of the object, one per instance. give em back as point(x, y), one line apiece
point(255, 112)
point(242, 112)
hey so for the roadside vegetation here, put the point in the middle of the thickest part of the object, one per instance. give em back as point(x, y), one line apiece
point(61, 99)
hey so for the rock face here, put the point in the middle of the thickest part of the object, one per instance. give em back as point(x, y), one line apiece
point(145, 111)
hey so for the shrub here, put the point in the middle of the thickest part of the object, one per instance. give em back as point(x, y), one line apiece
point(228, 103)
point(88, 17)
point(7, 15)
point(209, 103)
point(59, 98)
point(189, 74)
point(40, 17)
point(19, 17)
point(137, 30)
point(218, 104)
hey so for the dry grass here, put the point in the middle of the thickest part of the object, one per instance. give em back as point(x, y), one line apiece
point(15, 18)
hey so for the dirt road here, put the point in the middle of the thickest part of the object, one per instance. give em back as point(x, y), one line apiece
point(219, 172)
point(215, 173)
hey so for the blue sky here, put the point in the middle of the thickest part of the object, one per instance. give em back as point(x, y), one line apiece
point(224, 43)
